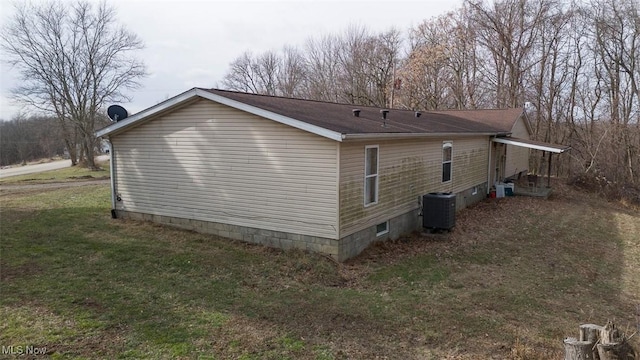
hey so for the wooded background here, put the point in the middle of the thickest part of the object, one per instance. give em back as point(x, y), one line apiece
point(574, 66)
point(24, 139)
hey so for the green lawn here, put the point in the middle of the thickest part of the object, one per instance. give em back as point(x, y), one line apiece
point(515, 277)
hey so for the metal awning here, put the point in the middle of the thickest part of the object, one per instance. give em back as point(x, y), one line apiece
point(537, 145)
point(532, 144)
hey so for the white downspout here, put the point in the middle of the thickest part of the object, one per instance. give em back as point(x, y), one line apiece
point(489, 167)
point(112, 177)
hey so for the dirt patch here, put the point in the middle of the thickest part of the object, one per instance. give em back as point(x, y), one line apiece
point(10, 273)
point(89, 303)
point(108, 343)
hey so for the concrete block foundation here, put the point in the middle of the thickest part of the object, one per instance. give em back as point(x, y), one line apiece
point(345, 248)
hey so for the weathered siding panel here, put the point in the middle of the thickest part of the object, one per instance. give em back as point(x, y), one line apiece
point(213, 163)
point(517, 156)
point(408, 170)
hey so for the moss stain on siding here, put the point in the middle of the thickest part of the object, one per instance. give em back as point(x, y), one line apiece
point(408, 170)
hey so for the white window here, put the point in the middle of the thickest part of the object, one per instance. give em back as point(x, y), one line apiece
point(447, 161)
point(382, 228)
point(371, 175)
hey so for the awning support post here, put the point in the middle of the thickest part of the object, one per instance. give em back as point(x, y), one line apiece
point(549, 171)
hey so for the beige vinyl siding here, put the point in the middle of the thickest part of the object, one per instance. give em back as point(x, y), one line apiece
point(408, 170)
point(517, 156)
point(214, 163)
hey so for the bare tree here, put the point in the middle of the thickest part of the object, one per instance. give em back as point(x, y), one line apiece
point(241, 75)
point(465, 62)
point(73, 59)
point(424, 73)
point(383, 59)
point(323, 68)
point(366, 66)
point(356, 67)
point(352, 57)
point(292, 75)
point(617, 47)
point(443, 67)
point(266, 74)
point(547, 82)
point(267, 68)
point(509, 31)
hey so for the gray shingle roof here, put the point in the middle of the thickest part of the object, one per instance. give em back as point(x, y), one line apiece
point(336, 121)
point(502, 119)
point(340, 118)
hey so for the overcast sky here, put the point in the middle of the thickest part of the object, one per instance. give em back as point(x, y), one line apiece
point(191, 43)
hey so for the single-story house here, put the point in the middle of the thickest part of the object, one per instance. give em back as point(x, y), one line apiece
point(292, 173)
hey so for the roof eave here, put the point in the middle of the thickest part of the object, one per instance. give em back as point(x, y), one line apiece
point(393, 136)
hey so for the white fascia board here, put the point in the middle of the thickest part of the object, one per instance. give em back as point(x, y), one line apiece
point(271, 115)
point(393, 136)
point(530, 146)
point(174, 101)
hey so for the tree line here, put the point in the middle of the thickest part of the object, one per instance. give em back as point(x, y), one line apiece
point(575, 64)
point(26, 139)
point(29, 138)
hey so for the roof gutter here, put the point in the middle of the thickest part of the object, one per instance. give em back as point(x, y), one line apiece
point(489, 167)
point(393, 136)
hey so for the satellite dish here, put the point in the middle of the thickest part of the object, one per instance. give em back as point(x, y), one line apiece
point(117, 112)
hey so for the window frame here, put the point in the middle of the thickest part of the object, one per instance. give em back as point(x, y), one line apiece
point(369, 176)
point(386, 228)
point(447, 145)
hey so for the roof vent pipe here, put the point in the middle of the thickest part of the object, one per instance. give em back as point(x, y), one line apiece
point(356, 112)
point(384, 117)
point(418, 114)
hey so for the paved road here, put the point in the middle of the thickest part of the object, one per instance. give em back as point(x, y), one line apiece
point(32, 169)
